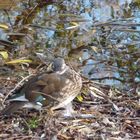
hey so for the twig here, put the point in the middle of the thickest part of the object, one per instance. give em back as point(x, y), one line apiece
point(6, 11)
point(128, 30)
point(18, 84)
point(46, 95)
point(30, 13)
point(80, 116)
point(116, 24)
point(104, 78)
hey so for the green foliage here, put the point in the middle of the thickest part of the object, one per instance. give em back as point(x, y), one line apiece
point(33, 123)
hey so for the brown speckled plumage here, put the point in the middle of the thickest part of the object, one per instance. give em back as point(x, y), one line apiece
point(53, 90)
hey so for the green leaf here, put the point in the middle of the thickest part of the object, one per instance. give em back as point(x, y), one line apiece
point(4, 54)
point(19, 61)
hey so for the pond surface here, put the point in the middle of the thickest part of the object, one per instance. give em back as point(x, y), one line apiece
point(117, 35)
point(107, 31)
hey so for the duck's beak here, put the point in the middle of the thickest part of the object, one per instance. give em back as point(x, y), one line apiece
point(50, 67)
